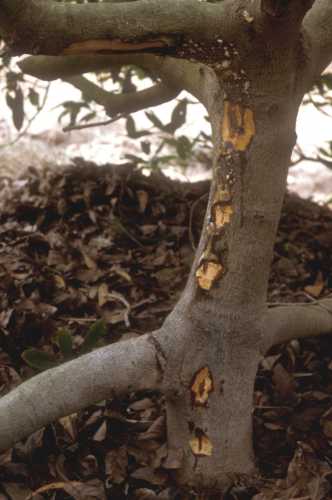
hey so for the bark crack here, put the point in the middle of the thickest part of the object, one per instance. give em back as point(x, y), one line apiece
point(160, 355)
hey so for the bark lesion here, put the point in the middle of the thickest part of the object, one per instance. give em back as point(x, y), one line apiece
point(201, 386)
point(160, 355)
point(118, 46)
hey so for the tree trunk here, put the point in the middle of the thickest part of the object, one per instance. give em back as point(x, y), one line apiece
point(250, 64)
point(215, 343)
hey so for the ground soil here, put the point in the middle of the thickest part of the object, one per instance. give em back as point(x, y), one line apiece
point(79, 244)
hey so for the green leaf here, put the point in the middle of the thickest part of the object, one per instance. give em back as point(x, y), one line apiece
point(132, 131)
point(135, 159)
point(178, 117)
point(89, 116)
point(155, 120)
point(127, 84)
point(71, 108)
point(183, 147)
point(16, 104)
point(33, 97)
point(64, 340)
point(39, 360)
point(139, 72)
point(327, 80)
point(146, 147)
point(94, 334)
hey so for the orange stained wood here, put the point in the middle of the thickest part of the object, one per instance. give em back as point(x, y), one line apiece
point(201, 445)
point(207, 273)
point(222, 214)
point(238, 126)
point(202, 386)
point(117, 45)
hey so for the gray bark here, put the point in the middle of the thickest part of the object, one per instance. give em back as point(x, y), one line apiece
point(317, 27)
point(115, 369)
point(252, 65)
point(56, 26)
point(285, 322)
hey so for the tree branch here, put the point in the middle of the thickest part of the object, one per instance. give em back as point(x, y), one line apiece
point(286, 9)
point(126, 103)
point(178, 73)
point(282, 20)
point(112, 370)
point(318, 26)
point(286, 322)
point(50, 28)
point(53, 67)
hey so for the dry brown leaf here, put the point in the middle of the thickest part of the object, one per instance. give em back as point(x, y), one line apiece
point(155, 431)
point(316, 289)
point(143, 199)
point(158, 478)
point(142, 404)
point(16, 491)
point(326, 423)
point(101, 433)
point(69, 425)
point(103, 294)
point(90, 490)
point(116, 464)
point(284, 382)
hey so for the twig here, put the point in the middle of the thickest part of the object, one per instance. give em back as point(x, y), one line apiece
point(190, 228)
point(95, 124)
point(319, 106)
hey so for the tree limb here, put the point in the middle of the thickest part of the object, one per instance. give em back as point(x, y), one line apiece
point(53, 67)
point(50, 28)
point(112, 370)
point(177, 73)
point(125, 103)
point(281, 20)
point(286, 9)
point(318, 27)
point(286, 322)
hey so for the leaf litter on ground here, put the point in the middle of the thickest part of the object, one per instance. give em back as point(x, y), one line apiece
point(82, 244)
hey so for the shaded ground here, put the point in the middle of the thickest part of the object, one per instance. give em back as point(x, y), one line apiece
point(81, 243)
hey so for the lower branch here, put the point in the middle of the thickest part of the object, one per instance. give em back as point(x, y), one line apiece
point(286, 322)
point(53, 67)
point(318, 29)
point(178, 74)
point(112, 370)
point(125, 103)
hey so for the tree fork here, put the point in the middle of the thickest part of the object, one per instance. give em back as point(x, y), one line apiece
point(216, 345)
point(251, 77)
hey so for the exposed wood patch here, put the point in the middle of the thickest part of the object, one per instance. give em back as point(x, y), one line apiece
point(207, 273)
point(201, 445)
point(115, 45)
point(222, 214)
point(201, 386)
point(238, 126)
